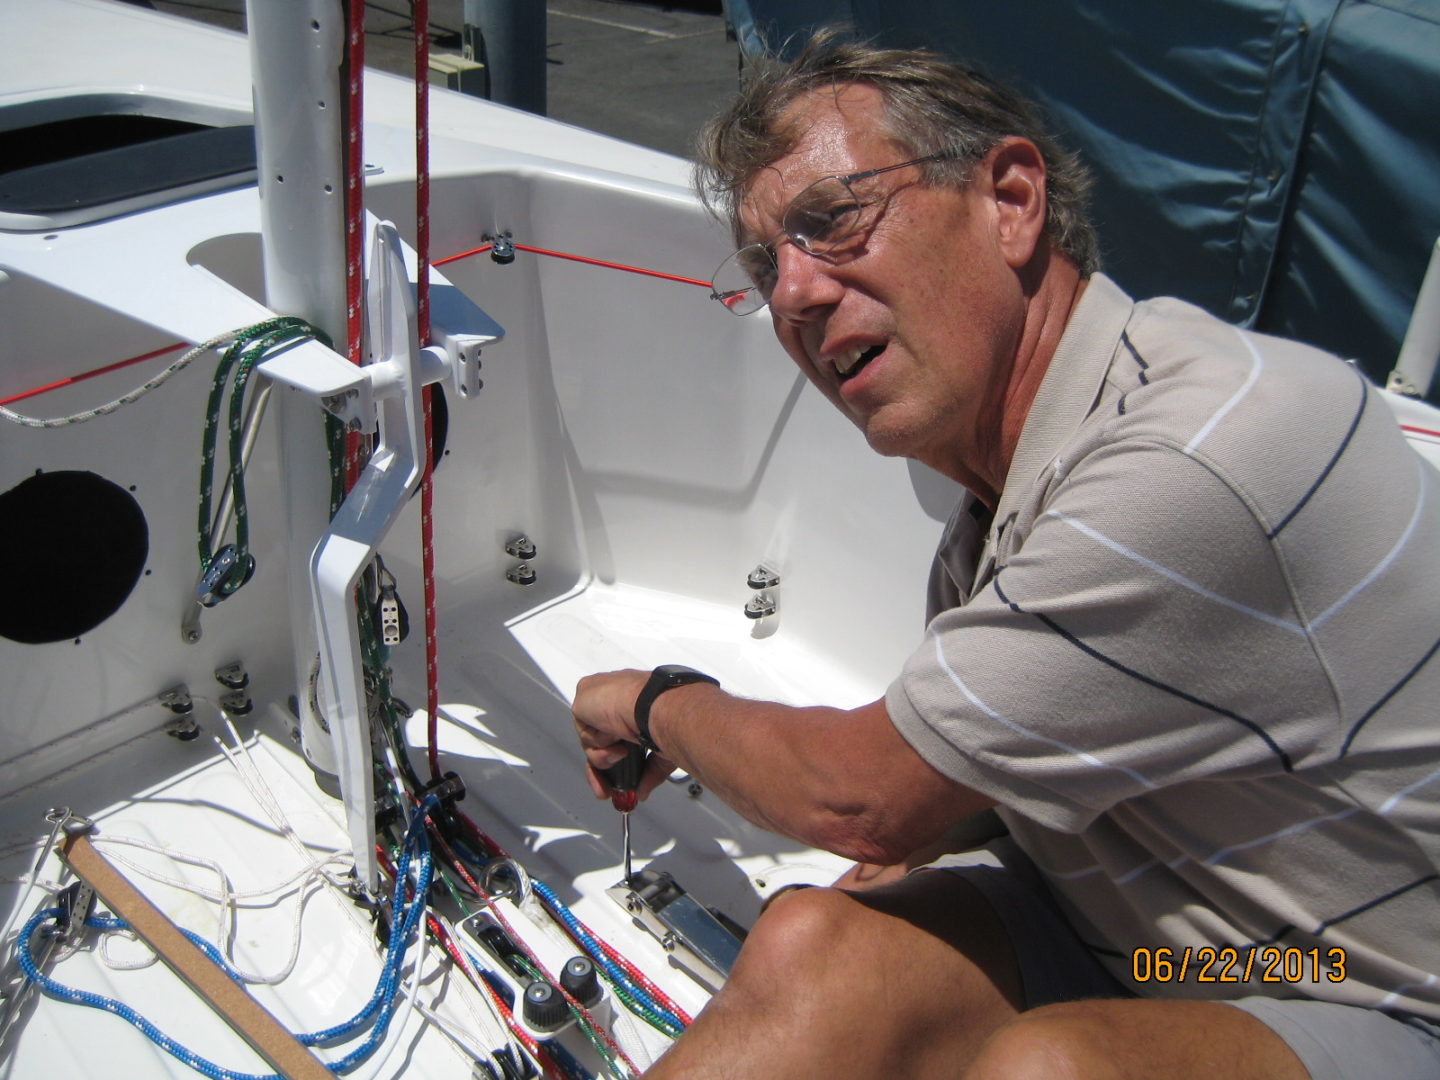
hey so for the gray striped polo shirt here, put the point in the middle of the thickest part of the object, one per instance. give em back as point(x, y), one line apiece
point(1193, 657)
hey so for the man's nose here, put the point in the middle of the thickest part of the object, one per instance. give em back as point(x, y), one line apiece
point(804, 285)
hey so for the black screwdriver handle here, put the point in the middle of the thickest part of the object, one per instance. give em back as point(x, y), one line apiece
point(624, 776)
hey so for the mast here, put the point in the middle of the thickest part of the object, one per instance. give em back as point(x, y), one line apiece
point(297, 54)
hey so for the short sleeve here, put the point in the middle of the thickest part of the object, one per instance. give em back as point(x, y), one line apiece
point(1113, 653)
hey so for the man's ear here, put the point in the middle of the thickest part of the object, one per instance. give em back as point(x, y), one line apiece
point(1017, 174)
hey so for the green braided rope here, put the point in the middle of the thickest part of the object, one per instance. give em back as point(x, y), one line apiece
point(251, 346)
point(207, 444)
point(261, 349)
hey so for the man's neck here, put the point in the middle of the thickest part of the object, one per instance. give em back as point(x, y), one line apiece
point(1049, 309)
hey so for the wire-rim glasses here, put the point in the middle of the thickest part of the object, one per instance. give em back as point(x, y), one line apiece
point(826, 219)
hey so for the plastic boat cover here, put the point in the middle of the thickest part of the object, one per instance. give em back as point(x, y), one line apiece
point(1275, 161)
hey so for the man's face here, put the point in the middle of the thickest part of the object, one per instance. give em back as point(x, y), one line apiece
point(912, 336)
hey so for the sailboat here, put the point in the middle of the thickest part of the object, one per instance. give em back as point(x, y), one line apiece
point(315, 509)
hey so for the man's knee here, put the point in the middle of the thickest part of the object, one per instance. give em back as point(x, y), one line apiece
point(802, 928)
point(1054, 1042)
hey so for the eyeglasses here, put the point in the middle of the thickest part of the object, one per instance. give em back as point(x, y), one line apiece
point(826, 219)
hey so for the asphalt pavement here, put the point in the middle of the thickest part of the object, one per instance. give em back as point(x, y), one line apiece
point(649, 73)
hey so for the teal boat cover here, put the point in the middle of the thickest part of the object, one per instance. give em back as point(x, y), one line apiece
point(1274, 161)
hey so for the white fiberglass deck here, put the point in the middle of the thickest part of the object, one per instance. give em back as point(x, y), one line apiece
point(508, 735)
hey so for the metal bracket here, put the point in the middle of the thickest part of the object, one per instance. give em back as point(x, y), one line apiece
point(695, 939)
point(394, 378)
point(396, 374)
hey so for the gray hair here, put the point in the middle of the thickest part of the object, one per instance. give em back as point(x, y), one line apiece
point(932, 106)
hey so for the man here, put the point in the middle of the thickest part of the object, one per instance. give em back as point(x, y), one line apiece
point(1182, 637)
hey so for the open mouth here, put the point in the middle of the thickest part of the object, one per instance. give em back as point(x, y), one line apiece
point(847, 367)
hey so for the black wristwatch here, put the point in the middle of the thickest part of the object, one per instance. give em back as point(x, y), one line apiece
point(665, 677)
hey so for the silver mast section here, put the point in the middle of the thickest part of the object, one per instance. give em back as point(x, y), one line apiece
point(297, 48)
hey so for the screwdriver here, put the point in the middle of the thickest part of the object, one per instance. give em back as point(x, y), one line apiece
point(624, 780)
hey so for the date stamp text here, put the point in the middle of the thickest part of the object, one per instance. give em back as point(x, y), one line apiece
point(1263, 963)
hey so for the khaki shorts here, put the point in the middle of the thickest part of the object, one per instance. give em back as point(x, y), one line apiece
point(1335, 1042)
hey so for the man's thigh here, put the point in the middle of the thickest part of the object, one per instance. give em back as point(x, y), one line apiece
point(1251, 1039)
point(928, 910)
point(1133, 1039)
point(1053, 963)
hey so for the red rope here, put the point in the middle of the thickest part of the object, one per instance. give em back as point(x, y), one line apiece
point(36, 391)
point(580, 259)
point(1403, 427)
point(422, 306)
point(494, 849)
point(354, 213)
point(354, 268)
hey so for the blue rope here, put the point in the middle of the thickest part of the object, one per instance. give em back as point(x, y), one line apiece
point(381, 1006)
point(645, 1002)
point(616, 973)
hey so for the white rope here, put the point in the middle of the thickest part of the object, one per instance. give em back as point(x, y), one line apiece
point(301, 885)
point(316, 870)
point(124, 399)
point(493, 1028)
point(254, 780)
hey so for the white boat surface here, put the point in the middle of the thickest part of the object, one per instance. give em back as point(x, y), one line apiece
point(654, 449)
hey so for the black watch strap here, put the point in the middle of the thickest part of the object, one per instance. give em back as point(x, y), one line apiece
point(665, 677)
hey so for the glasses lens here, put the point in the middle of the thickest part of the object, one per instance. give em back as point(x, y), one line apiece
point(823, 216)
point(744, 281)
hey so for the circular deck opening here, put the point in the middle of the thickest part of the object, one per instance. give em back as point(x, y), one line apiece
point(76, 544)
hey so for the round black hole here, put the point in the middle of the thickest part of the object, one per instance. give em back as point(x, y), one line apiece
point(439, 423)
point(79, 543)
point(439, 426)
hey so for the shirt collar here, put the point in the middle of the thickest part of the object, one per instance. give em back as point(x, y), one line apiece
point(1070, 388)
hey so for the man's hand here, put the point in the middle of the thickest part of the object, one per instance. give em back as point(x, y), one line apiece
point(604, 712)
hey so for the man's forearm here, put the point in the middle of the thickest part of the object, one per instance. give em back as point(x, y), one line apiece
point(837, 779)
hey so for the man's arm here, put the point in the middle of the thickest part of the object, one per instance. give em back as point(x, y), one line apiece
point(842, 780)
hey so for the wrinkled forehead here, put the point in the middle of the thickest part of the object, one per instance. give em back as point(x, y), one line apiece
point(829, 132)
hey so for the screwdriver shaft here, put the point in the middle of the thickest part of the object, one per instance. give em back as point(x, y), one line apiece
point(625, 827)
point(624, 780)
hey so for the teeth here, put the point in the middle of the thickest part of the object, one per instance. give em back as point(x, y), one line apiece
point(846, 361)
